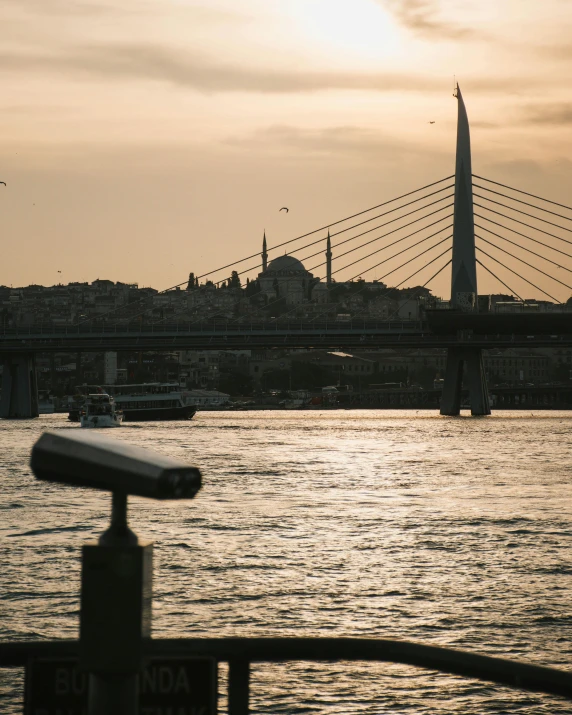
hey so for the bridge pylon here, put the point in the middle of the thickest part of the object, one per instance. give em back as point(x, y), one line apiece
point(19, 387)
point(464, 294)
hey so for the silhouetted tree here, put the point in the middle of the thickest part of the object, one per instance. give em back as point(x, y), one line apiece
point(252, 288)
point(234, 280)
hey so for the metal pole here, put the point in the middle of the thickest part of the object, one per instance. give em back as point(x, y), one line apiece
point(115, 614)
point(238, 686)
point(113, 694)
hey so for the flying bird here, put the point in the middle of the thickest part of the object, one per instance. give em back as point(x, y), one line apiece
point(3, 182)
point(431, 122)
point(284, 209)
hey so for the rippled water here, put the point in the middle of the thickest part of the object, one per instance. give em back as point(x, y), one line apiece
point(448, 531)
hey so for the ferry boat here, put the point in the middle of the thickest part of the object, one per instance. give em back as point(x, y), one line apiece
point(100, 410)
point(150, 401)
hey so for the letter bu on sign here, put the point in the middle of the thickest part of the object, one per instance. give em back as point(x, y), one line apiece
point(167, 686)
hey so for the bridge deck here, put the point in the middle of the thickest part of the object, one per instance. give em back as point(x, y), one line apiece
point(233, 335)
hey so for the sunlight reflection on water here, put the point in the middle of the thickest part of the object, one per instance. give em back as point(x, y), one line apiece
point(367, 523)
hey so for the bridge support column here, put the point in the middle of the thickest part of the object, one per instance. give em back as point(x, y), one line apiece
point(477, 382)
point(19, 397)
point(464, 293)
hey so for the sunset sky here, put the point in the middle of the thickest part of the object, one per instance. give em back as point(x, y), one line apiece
point(143, 139)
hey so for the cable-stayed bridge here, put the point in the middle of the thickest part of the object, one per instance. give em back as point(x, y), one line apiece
point(468, 224)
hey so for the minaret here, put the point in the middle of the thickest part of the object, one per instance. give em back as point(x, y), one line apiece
point(264, 253)
point(328, 260)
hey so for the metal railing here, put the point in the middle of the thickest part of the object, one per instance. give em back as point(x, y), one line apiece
point(217, 327)
point(240, 653)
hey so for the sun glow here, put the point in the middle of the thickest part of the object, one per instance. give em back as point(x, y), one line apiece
point(351, 29)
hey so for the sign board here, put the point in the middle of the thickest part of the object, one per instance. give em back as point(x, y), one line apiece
point(168, 686)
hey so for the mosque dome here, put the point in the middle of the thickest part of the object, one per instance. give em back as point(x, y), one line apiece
point(286, 265)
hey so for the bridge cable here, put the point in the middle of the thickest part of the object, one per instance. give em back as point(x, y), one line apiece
point(534, 228)
point(512, 188)
point(524, 248)
point(524, 213)
point(277, 300)
point(334, 223)
point(386, 260)
point(385, 295)
point(363, 245)
point(511, 290)
point(373, 253)
point(526, 203)
point(246, 270)
point(530, 265)
point(388, 293)
point(406, 225)
point(370, 230)
point(414, 259)
point(359, 235)
point(385, 213)
point(546, 245)
point(351, 251)
point(294, 309)
point(416, 291)
point(384, 276)
point(511, 270)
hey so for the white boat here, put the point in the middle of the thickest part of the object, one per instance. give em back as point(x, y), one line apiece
point(99, 410)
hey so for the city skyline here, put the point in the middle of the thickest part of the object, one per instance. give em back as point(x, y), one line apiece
point(144, 142)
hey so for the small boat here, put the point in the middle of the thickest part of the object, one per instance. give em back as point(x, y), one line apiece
point(99, 410)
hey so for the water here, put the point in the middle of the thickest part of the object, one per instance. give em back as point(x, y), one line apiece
point(454, 532)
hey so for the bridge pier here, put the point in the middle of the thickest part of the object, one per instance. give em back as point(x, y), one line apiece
point(19, 399)
point(477, 382)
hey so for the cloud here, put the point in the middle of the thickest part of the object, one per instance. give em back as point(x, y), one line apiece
point(51, 7)
point(555, 51)
point(485, 125)
point(422, 18)
point(354, 143)
point(146, 62)
point(549, 114)
point(149, 62)
point(193, 13)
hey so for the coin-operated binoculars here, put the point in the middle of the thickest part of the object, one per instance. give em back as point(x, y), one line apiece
point(116, 579)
